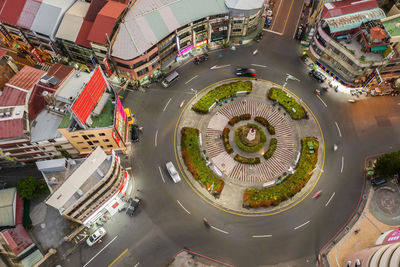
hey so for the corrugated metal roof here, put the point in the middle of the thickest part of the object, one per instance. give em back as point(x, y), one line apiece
point(149, 21)
point(354, 20)
point(49, 16)
point(26, 78)
point(335, 9)
point(94, 8)
point(7, 197)
point(11, 129)
point(28, 13)
point(244, 4)
point(12, 97)
point(105, 21)
point(3, 52)
point(72, 21)
point(11, 11)
point(82, 38)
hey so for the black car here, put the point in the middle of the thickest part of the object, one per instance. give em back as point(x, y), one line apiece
point(378, 181)
point(135, 133)
point(197, 60)
point(317, 75)
point(246, 72)
point(133, 206)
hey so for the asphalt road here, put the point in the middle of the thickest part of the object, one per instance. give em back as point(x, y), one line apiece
point(171, 215)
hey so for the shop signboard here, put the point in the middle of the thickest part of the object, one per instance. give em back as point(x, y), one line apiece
point(368, 80)
point(5, 33)
point(94, 61)
point(393, 237)
point(108, 69)
point(185, 50)
point(123, 183)
point(115, 155)
point(199, 44)
point(378, 76)
point(115, 137)
point(120, 120)
point(178, 46)
point(36, 54)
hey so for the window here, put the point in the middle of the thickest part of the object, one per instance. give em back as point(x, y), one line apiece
point(186, 34)
point(109, 146)
point(79, 143)
point(93, 147)
point(140, 63)
point(102, 134)
point(90, 143)
point(237, 21)
point(143, 71)
point(74, 136)
point(154, 55)
point(236, 30)
point(91, 135)
point(85, 148)
point(96, 142)
point(106, 140)
point(155, 64)
point(200, 28)
point(123, 65)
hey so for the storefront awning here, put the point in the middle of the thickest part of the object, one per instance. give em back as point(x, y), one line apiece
point(378, 48)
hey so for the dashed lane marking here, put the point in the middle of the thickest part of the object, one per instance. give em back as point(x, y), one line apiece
point(109, 243)
point(297, 227)
point(191, 79)
point(222, 231)
point(162, 176)
point(327, 203)
point(182, 206)
point(322, 101)
point(166, 105)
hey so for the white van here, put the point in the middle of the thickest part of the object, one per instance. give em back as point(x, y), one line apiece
point(172, 172)
point(170, 79)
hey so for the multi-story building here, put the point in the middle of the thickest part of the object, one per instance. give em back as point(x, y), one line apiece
point(8, 68)
point(350, 43)
point(85, 190)
point(95, 117)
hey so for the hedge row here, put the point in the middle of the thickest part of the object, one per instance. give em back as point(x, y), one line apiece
point(221, 92)
point(266, 124)
point(288, 102)
point(245, 145)
point(245, 160)
point(256, 198)
point(225, 139)
point(195, 163)
point(271, 148)
point(242, 117)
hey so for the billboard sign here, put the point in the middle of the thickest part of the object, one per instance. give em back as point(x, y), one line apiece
point(36, 54)
point(121, 121)
point(107, 65)
point(393, 237)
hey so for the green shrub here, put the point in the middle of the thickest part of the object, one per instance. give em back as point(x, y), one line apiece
point(289, 103)
point(266, 124)
point(271, 148)
point(30, 188)
point(246, 145)
point(256, 198)
point(236, 119)
point(195, 163)
point(245, 160)
point(225, 139)
point(220, 93)
point(26, 219)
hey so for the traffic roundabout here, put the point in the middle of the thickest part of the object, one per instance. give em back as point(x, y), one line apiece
point(244, 144)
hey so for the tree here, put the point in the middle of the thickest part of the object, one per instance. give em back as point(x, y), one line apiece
point(30, 187)
point(388, 164)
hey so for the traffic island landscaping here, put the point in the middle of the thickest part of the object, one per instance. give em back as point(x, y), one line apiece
point(221, 93)
point(266, 124)
point(272, 196)
point(196, 164)
point(225, 139)
point(271, 149)
point(295, 110)
point(245, 160)
point(236, 119)
point(250, 146)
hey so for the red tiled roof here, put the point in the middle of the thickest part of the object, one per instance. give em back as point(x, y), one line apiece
point(61, 72)
point(94, 8)
point(28, 13)
point(11, 11)
point(89, 97)
point(81, 39)
point(3, 52)
point(105, 21)
point(17, 238)
point(11, 128)
point(26, 78)
point(337, 9)
point(12, 97)
point(36, 101)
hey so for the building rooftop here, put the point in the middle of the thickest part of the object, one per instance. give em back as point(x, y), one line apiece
point(392, 26)
point(49, 15)
point(244, 4)
point(82, 38)
point(45, 120)
point(28, 13)
point(7, 198)
point(72, 87)
point(11, 10)
point(11, 129)
point(72, 22)
point(26, 78)
point(105, 22)
point(340, 8)
point(150, 21)
point(79, 181)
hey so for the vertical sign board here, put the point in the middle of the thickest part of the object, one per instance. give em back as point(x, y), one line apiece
point(5, 33)
point(121, 120)
point(108, 68)
point(36, 54)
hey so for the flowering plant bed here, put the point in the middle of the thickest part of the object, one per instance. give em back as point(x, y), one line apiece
point(236, 119)
point(250, 146)
point(295, 110)
point(256, 198)
point(195, 163)
point(265, 123)
point(271, 148)
point(225, 139)
point(221, 92)
point(245, 160)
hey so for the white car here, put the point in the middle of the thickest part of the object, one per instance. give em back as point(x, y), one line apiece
point(96, 236)
point(172, 172)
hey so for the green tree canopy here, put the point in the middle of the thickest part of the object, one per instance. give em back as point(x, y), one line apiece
point(388, 164)
point(30, 187)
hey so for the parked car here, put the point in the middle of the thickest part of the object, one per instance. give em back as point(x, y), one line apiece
point(378, 181)
point(133, 206)
point(170, 79)
point(172, 172)
point(299, 33)
point(246, 72)
point(197, 60)
point(96, 236)
point(317, 75)
point(135, 133)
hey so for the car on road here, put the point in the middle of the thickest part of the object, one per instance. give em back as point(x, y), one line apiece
point(172, 172)
point(246, 72)
point(133, 206)
point(317, 75)
point(96, 236)
point(135, 133)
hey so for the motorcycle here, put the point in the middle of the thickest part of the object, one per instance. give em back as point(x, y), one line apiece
point(255, 52)
point(206, 222)
point(335, 147)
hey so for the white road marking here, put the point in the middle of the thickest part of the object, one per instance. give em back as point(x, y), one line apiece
point(100, 251)
point(191, 79)
point(222, 231)
point(301, 225)
point(322, 101)
point(166, 105)
point(279, 33)
point(261, 236)
point(136, 265)
point(162, 176)
point(337, 126)
point(341, 169)
point(218, 67)
point(155, 139)
point(327, 203)
point(183, 207)
point(262, 66)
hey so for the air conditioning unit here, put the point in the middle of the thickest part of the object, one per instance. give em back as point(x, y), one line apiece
point(2, 115)
point(8, 113)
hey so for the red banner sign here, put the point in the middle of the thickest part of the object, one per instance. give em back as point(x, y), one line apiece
point(108, 69)
point(36, 54)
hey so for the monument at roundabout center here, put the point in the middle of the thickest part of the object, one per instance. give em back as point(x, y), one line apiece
point(251, 140)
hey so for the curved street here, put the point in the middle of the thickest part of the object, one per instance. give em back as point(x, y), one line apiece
point(171, 215)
